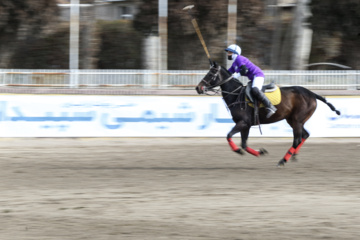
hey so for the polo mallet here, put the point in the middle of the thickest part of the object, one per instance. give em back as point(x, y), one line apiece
point(196, 26)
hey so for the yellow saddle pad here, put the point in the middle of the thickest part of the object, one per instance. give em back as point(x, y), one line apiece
point(274, 97)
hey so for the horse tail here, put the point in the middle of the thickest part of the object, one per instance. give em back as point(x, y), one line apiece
point(327, 103)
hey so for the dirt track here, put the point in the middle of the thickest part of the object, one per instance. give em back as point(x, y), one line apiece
point(175, 188)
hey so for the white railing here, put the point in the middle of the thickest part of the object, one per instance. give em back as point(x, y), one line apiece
point(171, 79)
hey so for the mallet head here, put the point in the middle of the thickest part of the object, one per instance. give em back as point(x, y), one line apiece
point(188, 7)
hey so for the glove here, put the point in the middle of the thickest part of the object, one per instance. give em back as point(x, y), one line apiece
point(243, 70)
point(236, 75)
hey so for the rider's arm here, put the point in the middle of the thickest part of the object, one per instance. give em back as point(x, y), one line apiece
point(232, 69)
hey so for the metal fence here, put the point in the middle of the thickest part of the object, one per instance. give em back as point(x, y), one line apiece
point(171, 79)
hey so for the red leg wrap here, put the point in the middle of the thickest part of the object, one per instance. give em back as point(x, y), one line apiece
point(233, 145)
point(289, 154)
point(252, 151)
point(299, 146)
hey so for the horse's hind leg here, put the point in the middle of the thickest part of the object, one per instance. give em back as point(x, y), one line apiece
point(305, 135)
point(297, 142)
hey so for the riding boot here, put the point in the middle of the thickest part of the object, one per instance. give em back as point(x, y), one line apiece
point(261, 96)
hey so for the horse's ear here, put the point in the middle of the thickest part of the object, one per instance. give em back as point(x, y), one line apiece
point(211, 62)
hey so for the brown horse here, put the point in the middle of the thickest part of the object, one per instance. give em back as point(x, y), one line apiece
point(297, 106)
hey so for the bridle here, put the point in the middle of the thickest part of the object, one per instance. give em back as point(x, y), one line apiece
point(221, 82)
point(214, 77)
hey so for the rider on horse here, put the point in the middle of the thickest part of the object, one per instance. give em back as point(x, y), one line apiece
point(245, 67)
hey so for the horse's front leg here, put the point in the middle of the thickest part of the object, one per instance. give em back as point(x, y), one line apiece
point(244, 136)
point(244, 129)
point(237, 128)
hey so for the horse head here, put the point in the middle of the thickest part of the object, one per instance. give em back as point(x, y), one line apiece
point(217, 76)
point(211, 79)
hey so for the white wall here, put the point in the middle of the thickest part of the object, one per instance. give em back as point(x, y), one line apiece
point(152, 116)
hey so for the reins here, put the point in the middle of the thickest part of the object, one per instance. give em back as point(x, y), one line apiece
point(234, 92)
point(239, 101)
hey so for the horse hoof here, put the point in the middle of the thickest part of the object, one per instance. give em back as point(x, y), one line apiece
point(263, 151)
point(240, 151)
point(294, 158)
point(281, 163)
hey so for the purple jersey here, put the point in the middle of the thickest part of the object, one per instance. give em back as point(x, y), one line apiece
point(253, 69)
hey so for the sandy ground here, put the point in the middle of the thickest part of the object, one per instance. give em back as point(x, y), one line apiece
point(177, 188)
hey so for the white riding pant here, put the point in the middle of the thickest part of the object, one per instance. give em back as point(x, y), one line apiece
point(258, 82)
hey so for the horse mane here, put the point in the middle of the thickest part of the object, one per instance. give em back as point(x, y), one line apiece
point(229, 74)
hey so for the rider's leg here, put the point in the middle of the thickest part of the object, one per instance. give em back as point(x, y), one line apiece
point(256, 90)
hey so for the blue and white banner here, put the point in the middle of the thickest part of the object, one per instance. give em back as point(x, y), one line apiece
point(153, 116)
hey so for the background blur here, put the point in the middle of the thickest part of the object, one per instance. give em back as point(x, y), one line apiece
point(275, 34)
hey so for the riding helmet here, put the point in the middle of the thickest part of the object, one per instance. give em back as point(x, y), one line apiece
point(234, 49)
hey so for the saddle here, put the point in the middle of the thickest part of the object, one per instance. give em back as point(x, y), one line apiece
point(272, 92)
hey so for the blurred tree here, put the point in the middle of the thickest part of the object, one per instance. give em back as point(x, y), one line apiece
point(335, 23)
point(20, 19)
point(25, 31)
point(146, 21)
point(48, 52)
point(120, 45)
point(336, 26)
point(117, 47)
point(184, 48)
